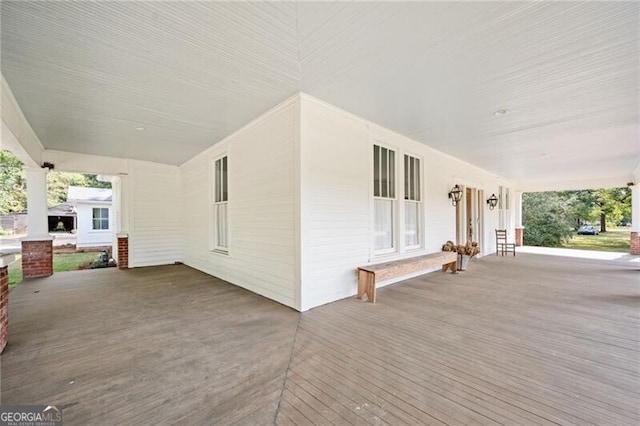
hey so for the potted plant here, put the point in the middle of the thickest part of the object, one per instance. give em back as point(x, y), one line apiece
point(465, 252)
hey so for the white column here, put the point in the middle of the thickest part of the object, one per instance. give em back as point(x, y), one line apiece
point(121, 196)
point(518, 208)
point(38, 226)
point(518, 212)
point(635, 219)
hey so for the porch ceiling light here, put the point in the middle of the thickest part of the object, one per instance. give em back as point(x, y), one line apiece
point(455, 195)
point(492, 201)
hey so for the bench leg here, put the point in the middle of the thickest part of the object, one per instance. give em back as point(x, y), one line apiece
point(367, 285)
point(453, 266)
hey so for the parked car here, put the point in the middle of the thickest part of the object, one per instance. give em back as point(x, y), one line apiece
point(588, 230)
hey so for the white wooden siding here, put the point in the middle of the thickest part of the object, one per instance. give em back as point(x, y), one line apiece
point(336, 198)
point(155, 227)
point(85, 234)
point(300, 204)
point(262, 207)
point(335, 212)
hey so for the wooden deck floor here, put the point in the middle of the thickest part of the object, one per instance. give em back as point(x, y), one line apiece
point(524, 340)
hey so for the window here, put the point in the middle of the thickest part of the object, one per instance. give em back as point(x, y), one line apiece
point(384, 193)
point(412, 202)
point(220, 206)
point(507, 208)
point(504, 207)
point(100, 218)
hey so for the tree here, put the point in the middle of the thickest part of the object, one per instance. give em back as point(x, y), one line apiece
point(58, 184)
point(13, 186)
point(93, 182)
point(613, 204)
point(607, 205)
point(546, 218)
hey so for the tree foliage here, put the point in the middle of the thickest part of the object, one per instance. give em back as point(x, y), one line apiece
point(546, 219)
point(608, 206)
point(58, 184)
point(13, 184)
point(13, 194)
point(549, 217)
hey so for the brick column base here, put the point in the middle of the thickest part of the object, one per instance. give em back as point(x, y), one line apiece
point(4, 307)
point(123, 252)
point(519, 236)
point(37, 259)
point(635, 243)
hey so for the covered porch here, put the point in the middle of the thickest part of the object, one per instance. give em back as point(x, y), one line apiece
point(527, 340)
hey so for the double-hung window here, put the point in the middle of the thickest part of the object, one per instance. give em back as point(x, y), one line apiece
point(412, 202)
point(100, 218)
point(384, 198)
point(220, 206)
point(507, 208)
point(504, 207)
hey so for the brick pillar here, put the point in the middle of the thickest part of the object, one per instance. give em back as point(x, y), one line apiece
point(4, 306)
point(37, 258)
point(635, 243)
point(123, 252)
point(519, 236)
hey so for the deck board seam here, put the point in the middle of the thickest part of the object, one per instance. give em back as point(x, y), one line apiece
point(286, 373)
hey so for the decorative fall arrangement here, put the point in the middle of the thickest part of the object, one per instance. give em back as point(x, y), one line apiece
point(469, 249)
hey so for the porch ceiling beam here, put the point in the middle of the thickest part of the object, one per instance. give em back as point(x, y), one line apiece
point(85, 163)
point(17, 134)
point(568, 185)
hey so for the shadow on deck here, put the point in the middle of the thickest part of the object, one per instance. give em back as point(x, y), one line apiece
point(531, 339)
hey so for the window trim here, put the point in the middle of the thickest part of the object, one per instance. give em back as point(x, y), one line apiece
point(100, 219)
point(219, 197)
point(504, 207)
point(399, 204)
point(417, 193)
point(394, 199)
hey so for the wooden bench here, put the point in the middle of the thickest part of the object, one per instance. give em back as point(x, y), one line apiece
point(368, 274)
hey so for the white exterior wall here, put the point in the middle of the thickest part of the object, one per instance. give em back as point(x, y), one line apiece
point(300, 203)
point(335, 211)
point(85, 234)
point(262, 207)
point(154, 214)
point(337, 198)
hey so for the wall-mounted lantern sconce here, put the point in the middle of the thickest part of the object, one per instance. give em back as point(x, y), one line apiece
point(455, 195)
point(492, 201)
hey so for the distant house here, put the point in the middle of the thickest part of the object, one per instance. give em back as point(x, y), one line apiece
point(62, 217)
point(94, 215)
point(14, 223)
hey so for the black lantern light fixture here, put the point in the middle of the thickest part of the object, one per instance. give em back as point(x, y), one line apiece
point(455, 195)
point(492, 201)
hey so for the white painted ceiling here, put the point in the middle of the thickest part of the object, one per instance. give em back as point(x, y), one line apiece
point(86, 74)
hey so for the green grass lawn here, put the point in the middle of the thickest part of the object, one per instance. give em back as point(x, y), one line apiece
point(615, 239)
point(62, 262)
point(15, 273)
